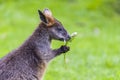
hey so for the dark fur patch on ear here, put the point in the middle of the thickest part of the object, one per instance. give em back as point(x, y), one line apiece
point(42, 17)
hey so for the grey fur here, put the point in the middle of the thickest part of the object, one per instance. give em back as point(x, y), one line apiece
point(29, 61)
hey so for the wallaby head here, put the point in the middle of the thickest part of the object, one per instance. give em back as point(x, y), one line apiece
point(54, 27)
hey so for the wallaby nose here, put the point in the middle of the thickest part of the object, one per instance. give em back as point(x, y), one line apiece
point(68, 38)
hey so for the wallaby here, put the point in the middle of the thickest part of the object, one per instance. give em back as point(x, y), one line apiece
point(29, 61)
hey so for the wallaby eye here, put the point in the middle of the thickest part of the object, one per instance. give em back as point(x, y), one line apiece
point(59, 29)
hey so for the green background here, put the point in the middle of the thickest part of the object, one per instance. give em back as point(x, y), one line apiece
point(95, 52)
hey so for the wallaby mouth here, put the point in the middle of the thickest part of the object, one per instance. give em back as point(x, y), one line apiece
point(68, 38)
point(61, 39)
point(65, 39)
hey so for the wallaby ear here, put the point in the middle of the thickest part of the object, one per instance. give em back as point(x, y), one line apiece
point(49, 17)
point(42, 17)
point(46, 17)
point(47, 12)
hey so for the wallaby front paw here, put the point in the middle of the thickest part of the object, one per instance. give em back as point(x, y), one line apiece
point(64, 49)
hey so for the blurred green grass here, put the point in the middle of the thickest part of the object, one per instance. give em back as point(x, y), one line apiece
point(94, 52)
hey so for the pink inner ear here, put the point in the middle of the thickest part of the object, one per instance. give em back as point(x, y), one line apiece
point(49, 17)
point(47, 12)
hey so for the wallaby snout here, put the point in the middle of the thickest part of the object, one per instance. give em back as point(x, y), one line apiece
point(68, 38)
point(59, 33)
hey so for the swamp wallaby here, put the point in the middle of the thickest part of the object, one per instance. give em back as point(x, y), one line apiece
point(29, 61)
